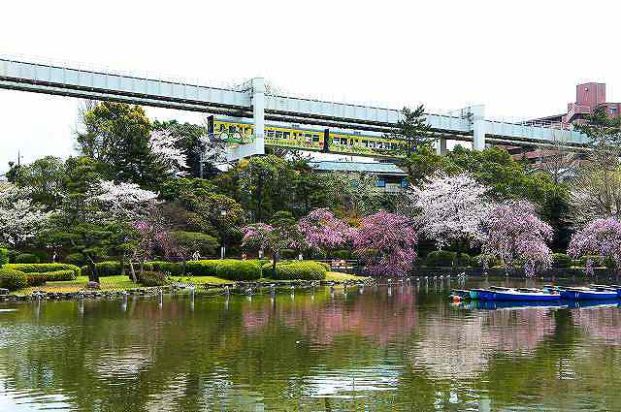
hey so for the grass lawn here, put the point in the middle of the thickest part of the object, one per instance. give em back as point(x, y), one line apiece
point(110, 283)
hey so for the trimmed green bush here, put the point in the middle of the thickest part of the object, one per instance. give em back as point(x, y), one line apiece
point(149, 278)
point(598, 261)
point(43, 267)
point(561, 260)
point(12, 279)
point(296, 270)
point(477, 261)
point(4, 257)
point(238, 269)
point(441, 258)
point(202, 267)
point(174, 268)
point(55, 276)
point(27, 258)
point(106, 268)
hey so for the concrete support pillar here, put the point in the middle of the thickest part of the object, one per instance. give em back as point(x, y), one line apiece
point(258, 113)
point(479, 127)
point(441, 145)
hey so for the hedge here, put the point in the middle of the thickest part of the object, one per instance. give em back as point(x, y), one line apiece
point(105, 268)
point(43, 267)
point(202, 267)
point(174, 268)
point(598, 261)
point(341, 254)
point(4, 257)
point(297, 269)
point(27, 258)
point(238, 269)
point(37, 279)
point(149, 278)
point(561, 261)
point(12, 279)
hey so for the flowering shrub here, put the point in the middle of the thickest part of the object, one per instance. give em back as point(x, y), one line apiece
point(600, 237)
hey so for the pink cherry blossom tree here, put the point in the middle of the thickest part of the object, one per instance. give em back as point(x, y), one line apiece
point(600, 237)
point(258, 237)
point(386, 243)
point(514, 231)
point(452, 209)
point(324, 231)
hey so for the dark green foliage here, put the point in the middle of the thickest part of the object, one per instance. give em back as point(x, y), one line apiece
point(44, 267)
point(341, 254)
point(190, 242)
point(4, 257)
point(238, 269)
point(296, 269)
point(35, 278)
point(77, 259)
point(561, 260)
point(477, 261)
point(12, 279)
point(149, 278)
point(288, 254)
point(27, 258)
point(441, 258)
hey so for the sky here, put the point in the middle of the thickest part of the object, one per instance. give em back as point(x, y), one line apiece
point(521, 59)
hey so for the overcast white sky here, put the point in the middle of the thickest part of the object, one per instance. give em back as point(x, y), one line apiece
point(519, 58)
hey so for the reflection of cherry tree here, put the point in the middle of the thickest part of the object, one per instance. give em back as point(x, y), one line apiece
point(602, 323)
point(322, 324)
point(463, 348)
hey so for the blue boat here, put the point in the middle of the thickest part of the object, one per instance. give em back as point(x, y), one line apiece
point(525, 295)
point(501, 294)
point(589, 294)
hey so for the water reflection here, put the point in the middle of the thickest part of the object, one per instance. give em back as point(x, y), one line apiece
point(402, 347)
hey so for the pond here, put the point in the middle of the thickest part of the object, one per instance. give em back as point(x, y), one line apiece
point(377, 348)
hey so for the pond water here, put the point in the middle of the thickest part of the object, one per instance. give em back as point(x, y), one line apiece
point(400, 348)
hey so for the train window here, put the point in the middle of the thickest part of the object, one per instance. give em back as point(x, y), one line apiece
point(343, 140)
point(270, 134)
point(222, 126)
point(356, 132)
point(278, 134)
point(315, 138)
point(285, 135)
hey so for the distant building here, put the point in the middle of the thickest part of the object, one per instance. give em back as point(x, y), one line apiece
point(388, 177)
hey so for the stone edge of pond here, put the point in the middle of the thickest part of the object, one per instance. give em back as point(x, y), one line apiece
point(244, 287)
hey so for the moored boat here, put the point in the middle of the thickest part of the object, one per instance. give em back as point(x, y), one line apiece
point(525, 295)
point(581, 293)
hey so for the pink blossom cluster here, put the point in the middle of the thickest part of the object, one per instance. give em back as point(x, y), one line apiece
point(257, 236)
point(386, 243)
point(600, 237)
point(322, 230)
point(515, 232)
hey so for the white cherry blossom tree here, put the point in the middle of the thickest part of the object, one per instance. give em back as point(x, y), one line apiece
point(20, 220)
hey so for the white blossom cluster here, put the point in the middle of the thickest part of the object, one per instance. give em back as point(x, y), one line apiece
point(164, 147)
point(122, 200)
point(20, 220)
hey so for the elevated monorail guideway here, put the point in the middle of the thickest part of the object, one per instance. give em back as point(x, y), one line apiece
point(256, 103)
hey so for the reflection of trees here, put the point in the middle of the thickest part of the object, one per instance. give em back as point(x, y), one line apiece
point(172, 358)
point(458, 347)
point(376, 317)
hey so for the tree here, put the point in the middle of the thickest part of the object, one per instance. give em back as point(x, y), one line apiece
point(20, 219)
point(452, 210)
point(258, 237)
point(117, 136)
point(192, 141)
point(324, 231)
point(164, 147)
point(601, 237)
point(124, 202)
point(45, 180)
point(386, 243)
point(513, 231)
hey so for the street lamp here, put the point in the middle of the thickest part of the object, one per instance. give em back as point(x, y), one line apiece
point(223, 247)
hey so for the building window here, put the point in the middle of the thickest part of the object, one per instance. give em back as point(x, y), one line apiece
point(380, 182)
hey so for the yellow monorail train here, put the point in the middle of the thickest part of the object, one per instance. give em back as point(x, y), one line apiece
point(294, 136)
